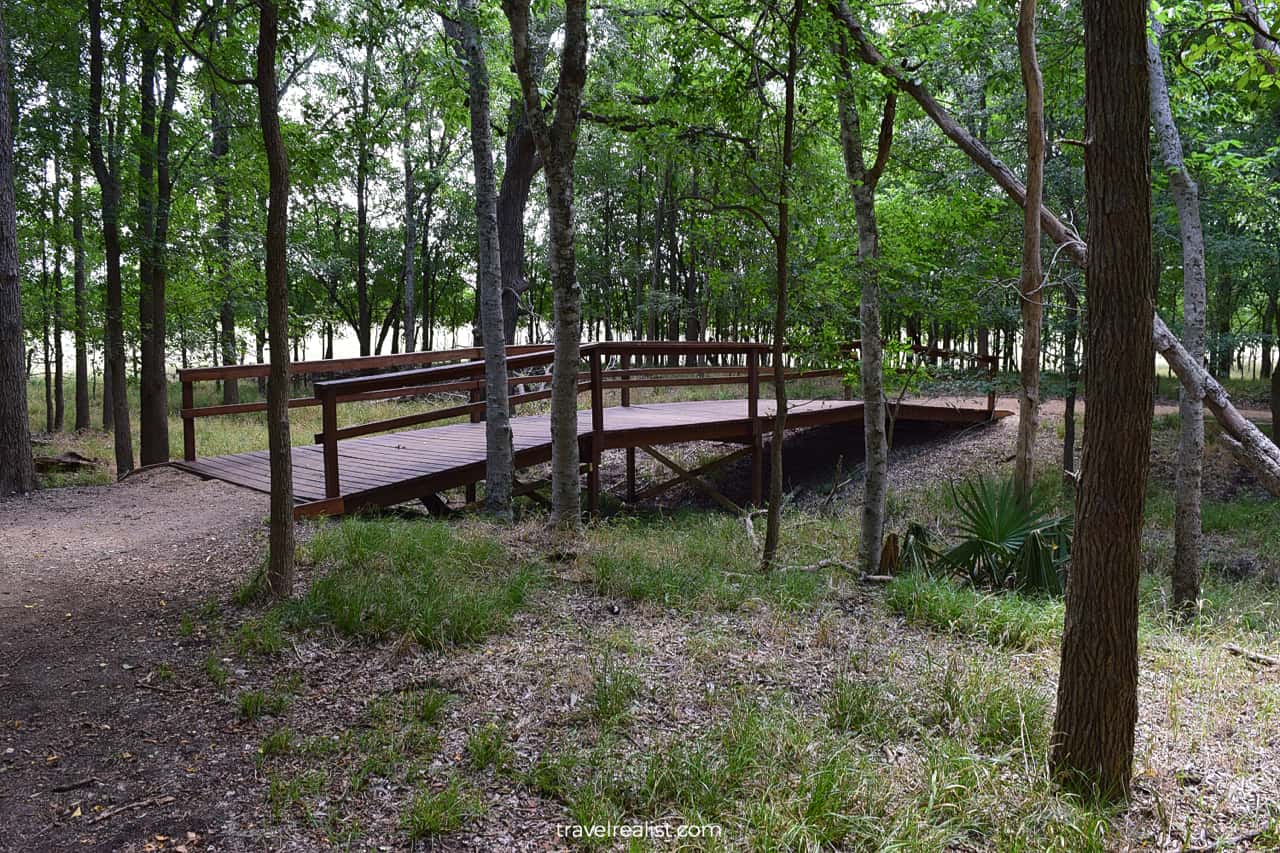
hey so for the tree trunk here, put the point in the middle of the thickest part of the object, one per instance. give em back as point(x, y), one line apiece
point(81, 306)
point(280, 558)
point(1187, 529)
point(409, 308)
point(522, 164)
point(59, 398)
point(1030, 284)
point(557, 146)
point(782, 246)
point(17, 473)
point(1071, 374)
point(862, 186)
point(220, 150)
point(364, 325)
point(153, 416)
point(1097, 686)
point(106, 167)
point(498, 447)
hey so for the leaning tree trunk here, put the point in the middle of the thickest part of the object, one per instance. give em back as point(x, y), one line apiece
point(1187, 527)
point(280, 551)
point(17, 472)
point(1097, 706)
point(1030, 284)
point(498, 447)
point(862, 186)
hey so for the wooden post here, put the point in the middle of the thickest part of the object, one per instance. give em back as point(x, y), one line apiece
point(631, 451)
point(475, 397)
point(757, 438)
point(188, 422)
point(597, 433)
point(329, 425)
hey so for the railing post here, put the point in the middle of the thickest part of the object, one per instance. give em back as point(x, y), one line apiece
point(597, 433)
point(475, 397)
point(188, 422)
point(329, 424)
point(631, 451)
point(757, 438)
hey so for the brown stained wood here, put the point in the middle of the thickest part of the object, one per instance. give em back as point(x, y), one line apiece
point(389, 468)
point(693, 480)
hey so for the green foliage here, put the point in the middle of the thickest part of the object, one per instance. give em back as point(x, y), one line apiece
point(487, 747)
point(1008, 542)
point(614, 687)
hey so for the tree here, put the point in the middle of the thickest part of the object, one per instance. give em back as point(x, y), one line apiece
point(557, 142)
point(1186, 197)
point(80, 295)
point(106, 167)
point(17, 471)
point(280, 558)
point(863, 181)
point(498, 446)
point(1031, 282)
point(1097, 706)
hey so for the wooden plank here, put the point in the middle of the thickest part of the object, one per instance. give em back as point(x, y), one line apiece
point(693, 480)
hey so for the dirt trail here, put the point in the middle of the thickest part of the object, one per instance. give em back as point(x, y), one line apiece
point(94, 583)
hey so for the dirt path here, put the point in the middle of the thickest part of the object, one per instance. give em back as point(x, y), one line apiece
point(103, 746)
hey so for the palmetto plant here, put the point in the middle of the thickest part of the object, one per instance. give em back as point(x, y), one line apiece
point(1009, 543)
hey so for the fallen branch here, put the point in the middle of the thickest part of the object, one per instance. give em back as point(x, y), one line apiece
point(818, 566)
point(71, 786)
point(136, 804)
point(748, 519)
point(1252, 656)
point(1224, 843)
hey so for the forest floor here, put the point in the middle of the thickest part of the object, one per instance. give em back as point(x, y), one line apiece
point(449, 685)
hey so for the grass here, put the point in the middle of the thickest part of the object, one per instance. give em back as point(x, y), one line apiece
point(261, 703)
point(694, 560)
point(420, 579)
point(487, 746)
point(433, 813)
point(1009, 619)
point(614, 687)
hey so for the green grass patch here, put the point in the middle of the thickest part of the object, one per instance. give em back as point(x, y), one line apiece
point(1007, 619)
point(262, 703)
point(487, 746)
point(691, 560)
point(390, 578)
point(435, 813)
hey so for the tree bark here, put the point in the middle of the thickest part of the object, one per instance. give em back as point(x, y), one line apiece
point(863, 181)
point(1186, 198)
point(498, 447)
point(782, 247)
point(81, 304)
point(220, 151)
point(364, 326)
point(409, 283)
point(106, 168)
point(280, 560)
point(557, 143)
point(59, 398)
point(1030, 284)
point(17, 473)
point(1097, 707)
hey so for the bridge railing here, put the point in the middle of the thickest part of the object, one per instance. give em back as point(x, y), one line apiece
point(624, 366)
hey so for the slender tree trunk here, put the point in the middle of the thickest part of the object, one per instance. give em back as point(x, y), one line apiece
point(364, 329)
point(1071, 374)
point(106, 167)
point(1030, 283)
point(81, 306)
point(862, 186)
point(59, 398)
point(557, 146)
point(280, 559)
point(409, 283)
point(220, 150)
point(149, 425)
point(1097, 686)
point(17, 472)
point(498, 447)
point(782, 245)
point(1186, 197)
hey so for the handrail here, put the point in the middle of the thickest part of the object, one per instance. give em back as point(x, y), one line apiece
point(465, 372)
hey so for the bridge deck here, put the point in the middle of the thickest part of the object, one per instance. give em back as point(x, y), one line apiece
point(389, 468)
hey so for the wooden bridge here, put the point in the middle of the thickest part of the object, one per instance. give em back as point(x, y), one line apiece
point(391, 461)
